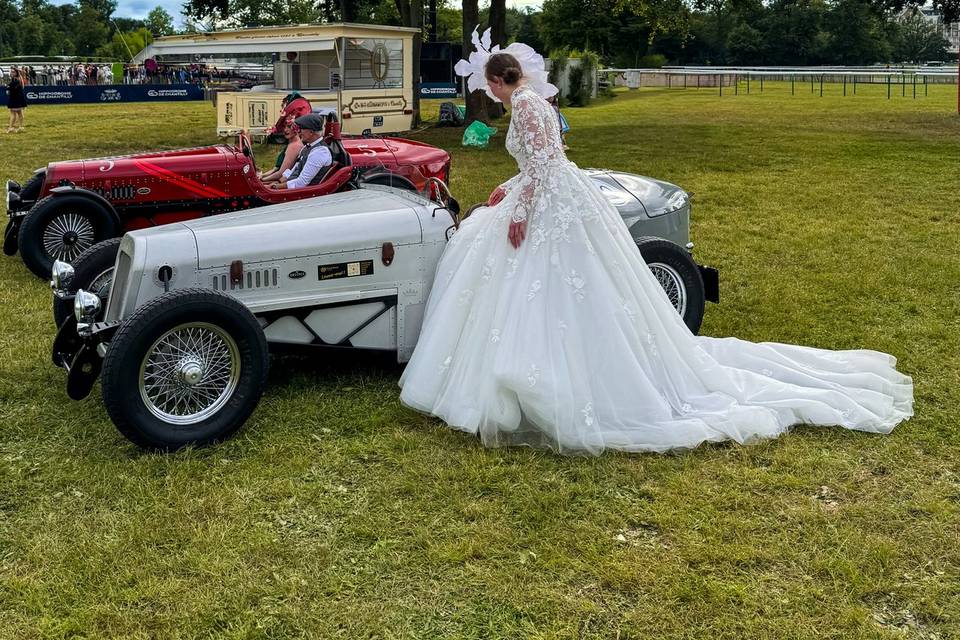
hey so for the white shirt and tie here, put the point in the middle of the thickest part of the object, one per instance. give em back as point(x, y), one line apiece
point(313, 157)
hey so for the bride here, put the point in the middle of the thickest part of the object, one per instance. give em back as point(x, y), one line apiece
point(546, 328)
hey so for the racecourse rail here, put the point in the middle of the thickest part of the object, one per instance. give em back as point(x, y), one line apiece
point(733, 77)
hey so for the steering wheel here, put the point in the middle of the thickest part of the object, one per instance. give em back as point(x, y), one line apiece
point(243, 143)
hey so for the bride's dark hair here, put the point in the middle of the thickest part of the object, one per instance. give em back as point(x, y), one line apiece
point(505, 66)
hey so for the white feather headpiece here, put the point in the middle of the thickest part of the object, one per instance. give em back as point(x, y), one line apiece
point(531, 63)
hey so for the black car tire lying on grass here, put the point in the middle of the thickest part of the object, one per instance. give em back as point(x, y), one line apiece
point(93, 272)
point(186, 349)
point(679, 275)
point(61, 227)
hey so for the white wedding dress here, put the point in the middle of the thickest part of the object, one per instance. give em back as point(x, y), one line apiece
point(570, 343)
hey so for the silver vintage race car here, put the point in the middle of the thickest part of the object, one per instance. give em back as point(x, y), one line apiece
point(177, 324)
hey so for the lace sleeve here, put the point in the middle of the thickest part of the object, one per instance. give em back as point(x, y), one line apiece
point(534, 135)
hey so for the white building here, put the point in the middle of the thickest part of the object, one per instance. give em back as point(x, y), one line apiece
point(949, 31)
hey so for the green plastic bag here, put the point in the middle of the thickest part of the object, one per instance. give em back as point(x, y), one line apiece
point(463, 112)
point(477, 135)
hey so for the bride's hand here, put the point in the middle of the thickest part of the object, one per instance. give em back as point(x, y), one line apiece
point(517, 233)
point(496, 196)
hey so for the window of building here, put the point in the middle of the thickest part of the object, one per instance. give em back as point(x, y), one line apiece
point(373, 63)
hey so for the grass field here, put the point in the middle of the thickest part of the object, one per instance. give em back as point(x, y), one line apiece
point(338, 513)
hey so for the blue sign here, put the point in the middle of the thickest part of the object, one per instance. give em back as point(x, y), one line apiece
point(438, 90)
point(106, 93)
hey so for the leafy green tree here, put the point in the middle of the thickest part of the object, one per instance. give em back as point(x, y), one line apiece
point(159, 22)
point(581, 24)
point(528, 31)
point(857, 34)
point(918, 40)
point(103, 8)
point(449, 22)
point(90, 30)
point(793, 32)
point(30, 35)
point(123, 46)
point(744, 45)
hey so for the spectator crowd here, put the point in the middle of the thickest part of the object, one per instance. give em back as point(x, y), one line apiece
point(96, 73)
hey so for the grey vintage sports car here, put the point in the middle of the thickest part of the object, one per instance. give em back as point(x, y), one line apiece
point(180, 319)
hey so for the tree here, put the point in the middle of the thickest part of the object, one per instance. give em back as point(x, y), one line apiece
point(857, 34)
point(103, 8)
point(449, 23)
point(744, 45)
point(793, 32)
point(498, 35)
point(125, 45)
point(90, 31)
point(474, 100)
point(411, 15)
point(30, 35)
point(159, 22)
point(528, 32)
point(918, 40)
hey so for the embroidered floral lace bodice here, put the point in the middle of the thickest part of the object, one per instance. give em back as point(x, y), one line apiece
point(533, 140)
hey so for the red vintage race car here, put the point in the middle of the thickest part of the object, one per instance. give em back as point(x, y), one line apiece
point(69, 206)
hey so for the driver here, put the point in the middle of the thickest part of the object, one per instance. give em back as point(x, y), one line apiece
point(312, 159)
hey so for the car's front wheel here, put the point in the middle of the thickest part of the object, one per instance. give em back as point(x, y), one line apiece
point(679, 275)
point(93, 272)
point(188, 368)
point(61, 227)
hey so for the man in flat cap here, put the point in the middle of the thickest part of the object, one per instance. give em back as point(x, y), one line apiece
point(314, 158)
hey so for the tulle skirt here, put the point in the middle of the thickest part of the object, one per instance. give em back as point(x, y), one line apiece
point(570, 343)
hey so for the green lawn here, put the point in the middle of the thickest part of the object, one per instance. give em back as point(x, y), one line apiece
point(338, 513)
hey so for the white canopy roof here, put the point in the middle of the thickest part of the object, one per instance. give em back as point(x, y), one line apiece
point(201, 46)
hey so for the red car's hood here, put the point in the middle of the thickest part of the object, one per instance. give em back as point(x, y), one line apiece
point(213, 158)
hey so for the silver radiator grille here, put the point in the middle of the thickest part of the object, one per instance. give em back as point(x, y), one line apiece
point(256, 279)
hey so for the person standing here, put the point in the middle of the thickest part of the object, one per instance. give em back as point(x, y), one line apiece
point(16, 100)
point(510, 349)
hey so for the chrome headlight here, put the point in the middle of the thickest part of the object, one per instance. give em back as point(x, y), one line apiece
point(13, 201)
point(86, 306)
point(678, 200)
point(61, 275)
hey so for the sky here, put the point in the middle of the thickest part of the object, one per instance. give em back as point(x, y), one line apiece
point(140, 8)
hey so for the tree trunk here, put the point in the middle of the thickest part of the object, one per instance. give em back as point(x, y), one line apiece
point(475, 100)
point(498, 35)
point(411, 15)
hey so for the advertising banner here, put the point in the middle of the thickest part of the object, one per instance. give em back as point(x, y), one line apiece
point(107, 93)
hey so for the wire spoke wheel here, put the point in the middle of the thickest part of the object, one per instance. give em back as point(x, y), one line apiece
point(101, 284)
point(68, 235)
point(669, 278)
point(189, 373)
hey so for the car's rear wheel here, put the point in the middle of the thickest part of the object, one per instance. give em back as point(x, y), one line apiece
point(188, 368)
point(61, 227)
point(93, 272)
point(678, 274)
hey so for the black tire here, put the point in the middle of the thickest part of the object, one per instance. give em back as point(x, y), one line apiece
point(389, 180)
point(679, 275)
point(93, 272)
point(123, 391)
point(88, 220)
point(31, 188)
